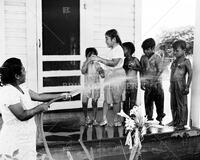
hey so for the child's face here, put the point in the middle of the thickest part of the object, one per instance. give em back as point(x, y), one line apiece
point(149, 51)
point(89, 55)
point(110, 42)
point(92, 54)
point(126, 52)
point(178, 52)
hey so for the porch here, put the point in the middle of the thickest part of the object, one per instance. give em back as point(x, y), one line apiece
point(160, 142)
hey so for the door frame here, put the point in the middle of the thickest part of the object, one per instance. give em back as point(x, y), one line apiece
point(41, 58)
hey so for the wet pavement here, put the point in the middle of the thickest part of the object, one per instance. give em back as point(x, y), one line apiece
point(90, 132)
point(160, 143)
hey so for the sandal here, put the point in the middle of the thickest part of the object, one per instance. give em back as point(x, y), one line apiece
point(118, 124)
point(95, 123)
point(103, 123)
point(88, 120)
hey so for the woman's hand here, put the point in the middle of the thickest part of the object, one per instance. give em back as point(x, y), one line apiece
point(44, 107)
point(66, 96)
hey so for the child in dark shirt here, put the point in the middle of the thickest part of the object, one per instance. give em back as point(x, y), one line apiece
point(131, 67)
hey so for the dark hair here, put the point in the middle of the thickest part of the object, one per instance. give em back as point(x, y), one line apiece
point(162, 47)
point(179, 43)
point(112, 33)
point(9, 69)
point(148, 43)
point(90, 51)
point(130, 46)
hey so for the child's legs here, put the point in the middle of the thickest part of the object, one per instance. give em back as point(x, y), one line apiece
point(173, 102)
point(116, 109)
point(133, 97)
point(148, 100)
point(85, 104)
point(107, 101)
point(159, 101)
point(95, 97)
point(117, 99)
point(94, 106)
point(126, 104)
point(182, 110)
point(116, 89)
point(105, 110)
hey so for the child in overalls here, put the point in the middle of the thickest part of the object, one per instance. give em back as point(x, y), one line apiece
point(179, 88)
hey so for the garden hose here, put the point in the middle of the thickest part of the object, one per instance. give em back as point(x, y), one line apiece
point(69, 96)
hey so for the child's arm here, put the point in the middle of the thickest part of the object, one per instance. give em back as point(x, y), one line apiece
point(189, 79)
point(85, 67)
point(125, 65)
point(159, 65)
point(112, 63)
point(136, 65)
point(100, 70)
point(143, 65)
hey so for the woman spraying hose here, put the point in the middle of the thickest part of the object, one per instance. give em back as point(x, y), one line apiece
point(18, 131)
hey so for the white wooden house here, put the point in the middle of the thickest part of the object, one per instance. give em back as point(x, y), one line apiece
point(50, 37)
point(195, 96)
point(23, 34)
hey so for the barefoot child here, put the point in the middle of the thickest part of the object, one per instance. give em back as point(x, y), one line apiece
point(131, 66)
point(151, 83)
point(92, 72)
point(179, 87)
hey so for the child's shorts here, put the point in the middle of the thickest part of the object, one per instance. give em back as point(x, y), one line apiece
point(115, 84)
point(90, 93)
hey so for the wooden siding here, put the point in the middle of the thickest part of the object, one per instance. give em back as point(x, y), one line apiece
point(15, 37)
point(19, 35)
point(2, 32)
point(118, 14)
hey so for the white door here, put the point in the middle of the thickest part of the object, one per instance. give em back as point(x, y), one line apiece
point(59, 55)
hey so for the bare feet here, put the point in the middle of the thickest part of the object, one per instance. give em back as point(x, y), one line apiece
point(171, 123)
